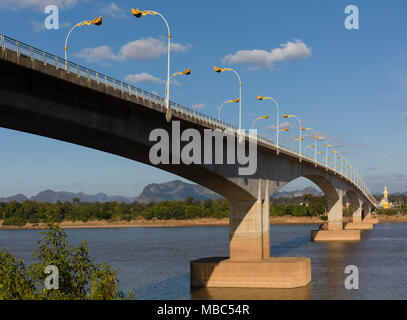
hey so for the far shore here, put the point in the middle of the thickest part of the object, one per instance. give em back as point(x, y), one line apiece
point(202, 222)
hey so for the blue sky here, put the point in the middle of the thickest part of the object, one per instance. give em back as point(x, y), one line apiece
point(349, 85)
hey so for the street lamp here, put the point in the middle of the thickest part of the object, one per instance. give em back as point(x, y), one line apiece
point(315, 143)
point(326, 155)
point(138, 14)
point(341, 157)
point(278, 116)
point(96, 22)
point(346, 167)
point(260, 118)
point(218, 70)
point(227, 101)
point(299, 121)
point(335, 152)
point(180, 73)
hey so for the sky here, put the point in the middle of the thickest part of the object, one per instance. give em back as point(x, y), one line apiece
point(348, 85)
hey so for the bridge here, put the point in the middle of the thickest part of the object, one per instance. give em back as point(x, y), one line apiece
point(45, 95)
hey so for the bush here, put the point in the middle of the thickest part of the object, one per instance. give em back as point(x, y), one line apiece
point(15, 283)
point(80, 278)
point(324, 218)
point(299, 211)
point(14, 221)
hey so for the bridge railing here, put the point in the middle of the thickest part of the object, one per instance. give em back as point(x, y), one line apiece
point(46, 58)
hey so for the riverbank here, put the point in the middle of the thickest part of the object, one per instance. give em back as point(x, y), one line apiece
point(141, 223)
point(202, 222)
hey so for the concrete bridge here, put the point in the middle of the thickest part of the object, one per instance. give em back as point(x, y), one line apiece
point(47, 96)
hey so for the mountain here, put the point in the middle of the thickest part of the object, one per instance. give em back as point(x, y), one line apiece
point(175, 190)
point(18, 197)
point(63, 196)
point(297, 193)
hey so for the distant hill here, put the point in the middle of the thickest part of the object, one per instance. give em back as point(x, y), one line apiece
point(18, 197)
point(63, 196)
point(175, 190)
point(157, 192)
point(297, 193)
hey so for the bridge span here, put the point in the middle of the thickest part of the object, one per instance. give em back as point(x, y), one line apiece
point(45, 95)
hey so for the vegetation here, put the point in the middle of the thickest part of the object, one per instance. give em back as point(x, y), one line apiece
point(308, 205)
point(18, 214)
point(80, 278)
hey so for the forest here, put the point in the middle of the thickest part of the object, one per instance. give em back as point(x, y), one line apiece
point(18, 214)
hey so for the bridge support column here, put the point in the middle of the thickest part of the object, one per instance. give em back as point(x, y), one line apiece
point(334, 230)
point(250, 264)
point(368, 215)
point(357, 222)
point(335, 213)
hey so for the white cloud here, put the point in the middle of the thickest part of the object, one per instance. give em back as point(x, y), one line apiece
point(199, 106)
point(143, 77)
point(37, 4)
point(40, 26)
point(146, 77)
point(114, 11)
point(142, 49)
point(282, 125)
point(97, 54)
point(262, 59)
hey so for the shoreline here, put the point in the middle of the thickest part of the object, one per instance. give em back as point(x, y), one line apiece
point(202, 222)
point(142, 223)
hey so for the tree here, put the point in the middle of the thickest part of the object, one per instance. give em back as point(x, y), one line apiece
point(79, 277)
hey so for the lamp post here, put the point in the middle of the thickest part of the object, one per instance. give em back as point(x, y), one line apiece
point(335, 152)
point(218, 70)
point(227, 101)
point(180, 73)
point(138, 14)
point(341, 157)
point(326, 155)
point(346, 167)
point(260, 118)
point(299, 121)
point(320, 152)
point(96, 22)
point(278, 116)
point(315, 143)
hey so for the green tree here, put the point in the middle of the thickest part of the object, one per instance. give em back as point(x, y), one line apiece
point(79, 277)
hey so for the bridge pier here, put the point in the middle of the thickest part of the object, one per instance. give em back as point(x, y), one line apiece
point(368, 214)
point(334, 230)
point(357, 223)
point(250, 264)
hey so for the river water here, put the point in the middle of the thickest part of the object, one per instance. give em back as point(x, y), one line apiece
point(154, 262)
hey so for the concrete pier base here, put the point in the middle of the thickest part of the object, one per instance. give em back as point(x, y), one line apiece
point(300, 293)
point(335, 235)
point(372, 220)
point(369, 218)
point(359, 226)
point(272, 272)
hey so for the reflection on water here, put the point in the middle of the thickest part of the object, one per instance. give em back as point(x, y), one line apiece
point(155, 262)
point(303, 293)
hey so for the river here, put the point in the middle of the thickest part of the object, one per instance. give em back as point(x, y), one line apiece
point(154, 262)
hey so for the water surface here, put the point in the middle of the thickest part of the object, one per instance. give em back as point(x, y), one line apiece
point(154, 262)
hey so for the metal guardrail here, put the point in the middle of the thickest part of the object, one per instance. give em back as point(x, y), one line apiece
point(46, 58)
